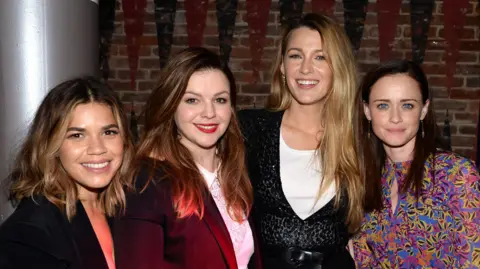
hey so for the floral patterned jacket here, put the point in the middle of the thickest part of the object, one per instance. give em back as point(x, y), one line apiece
point(440, 230)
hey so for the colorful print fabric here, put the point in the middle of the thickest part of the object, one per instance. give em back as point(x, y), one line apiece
point(440, 230)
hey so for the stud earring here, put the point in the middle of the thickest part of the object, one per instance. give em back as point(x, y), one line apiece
point(284, 79)
point(369, 127)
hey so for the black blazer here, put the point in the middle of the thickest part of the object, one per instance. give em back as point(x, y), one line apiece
point(150, 236)
point(39, 235)
point(278, 226)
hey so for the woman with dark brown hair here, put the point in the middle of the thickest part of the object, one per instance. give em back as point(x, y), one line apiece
point(422, 202)
point(193, 195)
point(68, 180)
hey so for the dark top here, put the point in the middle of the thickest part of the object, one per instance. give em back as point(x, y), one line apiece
point(277, 225)
point(39, 235)
point(150, 236)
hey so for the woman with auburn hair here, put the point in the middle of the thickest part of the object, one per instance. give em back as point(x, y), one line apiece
point(422, 202)
point(68, 180)
point(300, 151)
point(194, 195)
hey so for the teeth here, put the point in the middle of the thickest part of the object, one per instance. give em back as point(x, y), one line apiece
point(307, 82)
point(95, 165)
point(207, 126)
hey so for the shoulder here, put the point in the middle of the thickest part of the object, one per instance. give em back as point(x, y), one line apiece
point(256, 120)
point(152, 192)
point(36, 223)
point(454, 163)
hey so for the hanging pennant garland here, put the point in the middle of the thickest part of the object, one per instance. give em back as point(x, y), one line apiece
point(226, 15)
point(196, 14)
point(420, 16)
point(454, 20)
point(387, 16)
point(290, 10)
point(257, 19)
point(326, 7)
point(134, 13)
point(107, 26)
point(164, 21)
point(354, 12)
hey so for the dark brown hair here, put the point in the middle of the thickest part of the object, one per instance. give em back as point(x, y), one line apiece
point(371, 153)
point(37, 169)
point(160, 141)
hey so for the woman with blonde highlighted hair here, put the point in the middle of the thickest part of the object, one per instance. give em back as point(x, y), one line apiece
point(68, 181)
point(191, 209)
point(300, 151)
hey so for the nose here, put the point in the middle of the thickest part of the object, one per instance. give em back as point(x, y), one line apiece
point(395, 116)
point(208, 110)
point(306, 67)
point(96, 146)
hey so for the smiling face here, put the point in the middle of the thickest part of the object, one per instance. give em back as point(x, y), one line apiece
point(395, 109)
point(204, 113)
point(308, 74)
point(92, 150)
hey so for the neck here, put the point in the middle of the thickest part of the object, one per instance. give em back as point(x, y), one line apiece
point(305, 117)
point(400, 154)
point(206, 158)
point(89, 199)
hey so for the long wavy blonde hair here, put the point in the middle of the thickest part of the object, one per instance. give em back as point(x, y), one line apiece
point(337, 146)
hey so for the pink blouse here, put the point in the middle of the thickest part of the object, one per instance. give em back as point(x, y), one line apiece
point(240, 232)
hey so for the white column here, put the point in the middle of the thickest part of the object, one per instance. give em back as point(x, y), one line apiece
point(42, 43)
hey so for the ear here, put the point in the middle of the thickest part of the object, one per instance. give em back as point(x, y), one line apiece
point(282, 67)
point(425, 110)
point(366, 110)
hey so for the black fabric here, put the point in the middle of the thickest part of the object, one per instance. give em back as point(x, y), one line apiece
point(277, 224)
point(39, 235)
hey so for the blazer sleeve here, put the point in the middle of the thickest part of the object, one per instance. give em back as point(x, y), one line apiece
point(24, 245)
point(464, 202)
point(139, 234)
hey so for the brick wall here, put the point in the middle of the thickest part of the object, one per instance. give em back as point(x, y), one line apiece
point(463, 103)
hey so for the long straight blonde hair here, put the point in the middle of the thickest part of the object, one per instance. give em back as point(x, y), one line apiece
point(337, 146)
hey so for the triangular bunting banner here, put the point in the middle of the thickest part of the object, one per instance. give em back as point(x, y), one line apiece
point(165, 20)
point(387, 16)
point(107, 26)
point(196, 14)
point(354, 15)
point(290, 10)
point(226, 15)
point(326, 7)
point(421, 16)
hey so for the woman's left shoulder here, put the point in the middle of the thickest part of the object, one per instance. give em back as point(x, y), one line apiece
point(454, 164)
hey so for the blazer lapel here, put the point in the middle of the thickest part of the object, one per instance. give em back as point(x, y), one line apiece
point(214, 221)
point(256, 260)
point(91, 254)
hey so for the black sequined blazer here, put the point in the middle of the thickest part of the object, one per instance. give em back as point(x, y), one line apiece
point(278, 226)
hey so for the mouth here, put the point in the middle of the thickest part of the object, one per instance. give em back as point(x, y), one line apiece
point(96, 166)
point(395, 130)
point(306, 83)
point(207, 128)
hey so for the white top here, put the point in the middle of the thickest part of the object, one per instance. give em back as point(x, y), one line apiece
point(300, 173)
point(240, 232)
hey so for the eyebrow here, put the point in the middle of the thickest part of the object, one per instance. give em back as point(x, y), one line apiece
point(300, 50)
point(217, 94)
point(402, 100)
point(78, 129)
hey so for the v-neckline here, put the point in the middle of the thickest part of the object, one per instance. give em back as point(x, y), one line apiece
point(276, 147)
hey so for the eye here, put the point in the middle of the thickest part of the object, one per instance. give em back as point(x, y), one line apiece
point(294, 56)
point(408, 106)
point(191, 100)
point(382, 106)
point(221, 100)
point(320, 57)
point(111, 132)
point(75, 136)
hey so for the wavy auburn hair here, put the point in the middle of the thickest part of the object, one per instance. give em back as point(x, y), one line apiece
point(160, 142)
point(337, 146)
point(37, 169)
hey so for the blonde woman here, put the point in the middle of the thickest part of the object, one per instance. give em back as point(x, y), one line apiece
point(68, 181)
point(301, 153)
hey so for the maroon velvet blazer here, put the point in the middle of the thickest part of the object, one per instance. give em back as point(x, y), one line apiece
point(150, 236)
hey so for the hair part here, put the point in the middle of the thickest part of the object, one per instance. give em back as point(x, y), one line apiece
point(37, 169)
point(336, 148)
point(187, 183)
point(372, 155)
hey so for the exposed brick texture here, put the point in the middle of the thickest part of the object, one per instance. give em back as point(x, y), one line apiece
point(463, 103)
